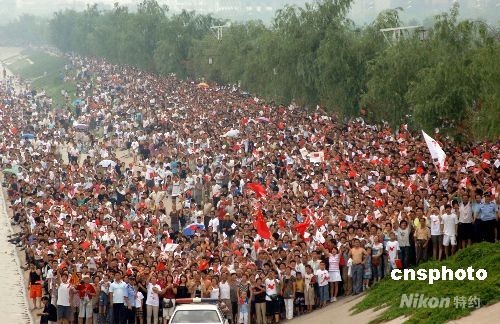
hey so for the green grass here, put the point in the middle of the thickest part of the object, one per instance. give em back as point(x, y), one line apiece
point(479, 256)
point(44, 74)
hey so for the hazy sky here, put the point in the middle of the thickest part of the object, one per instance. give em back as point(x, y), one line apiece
point(363, 11)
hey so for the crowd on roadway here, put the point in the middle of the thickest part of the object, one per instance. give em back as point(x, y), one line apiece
point(149, 189)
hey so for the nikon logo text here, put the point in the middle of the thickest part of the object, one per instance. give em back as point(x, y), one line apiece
point(420, 301)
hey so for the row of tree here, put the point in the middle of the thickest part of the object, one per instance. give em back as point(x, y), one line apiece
point(447, 77)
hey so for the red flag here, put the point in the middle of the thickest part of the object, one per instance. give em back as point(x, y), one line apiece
point(319, 222)
point(261, 226)
point(281, 223)
point(259, 189)
point(85, 245)
point(160, 266)
point(203, 265)
point(301, 227)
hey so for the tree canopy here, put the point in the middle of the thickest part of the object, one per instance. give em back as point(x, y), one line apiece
point(313, 55)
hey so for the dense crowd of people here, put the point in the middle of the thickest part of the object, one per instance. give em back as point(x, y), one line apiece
point(149, 189)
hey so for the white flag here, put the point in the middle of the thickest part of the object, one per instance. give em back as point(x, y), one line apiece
point(317, 157)
point(319, 237)
point(437, 153)
point(170, 247)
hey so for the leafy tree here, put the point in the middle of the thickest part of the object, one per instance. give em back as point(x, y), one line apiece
point(486, 113)
point(311, 55)
point(443, 94)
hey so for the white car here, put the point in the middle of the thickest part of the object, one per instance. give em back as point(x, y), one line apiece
point(198, 312)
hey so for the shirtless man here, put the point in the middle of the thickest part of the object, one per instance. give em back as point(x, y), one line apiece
point(358, 255)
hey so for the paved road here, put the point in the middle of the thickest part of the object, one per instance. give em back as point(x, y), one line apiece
point(340, 312)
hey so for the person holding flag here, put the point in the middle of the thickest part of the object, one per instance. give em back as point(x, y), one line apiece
point(437, 153)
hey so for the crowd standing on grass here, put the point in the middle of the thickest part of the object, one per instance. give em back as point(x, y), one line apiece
point(149, 189)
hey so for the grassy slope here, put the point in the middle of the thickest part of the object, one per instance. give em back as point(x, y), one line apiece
point(479, 256)
point(43, 73)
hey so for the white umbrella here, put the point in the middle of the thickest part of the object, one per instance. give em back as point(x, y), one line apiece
point(107, 163)
point(232, 133)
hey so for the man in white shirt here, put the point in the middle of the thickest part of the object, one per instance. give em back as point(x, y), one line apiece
point(465, 222)
point(299, 266)
point(314, 262)
point(134, 149)
point(392, 248)
point(436, 235)
point(118, 296)
point(449, 222)
point(214, 223)
point(64, 289)
point(150, 174)
point(225, 293)
point(157, 195)
point(403, 237)
point(152, 300)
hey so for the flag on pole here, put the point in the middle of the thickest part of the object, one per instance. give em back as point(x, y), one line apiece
point(258, 188)
point(261, 226)
point(300, 228)
point(437, 153)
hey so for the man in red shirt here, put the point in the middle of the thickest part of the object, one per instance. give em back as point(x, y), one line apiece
point(86, 292)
